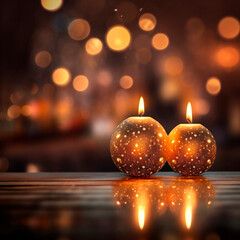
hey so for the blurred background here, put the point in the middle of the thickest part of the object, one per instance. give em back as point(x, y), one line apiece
point(71, 71)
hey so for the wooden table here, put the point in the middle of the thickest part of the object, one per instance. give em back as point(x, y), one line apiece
point(66, 206)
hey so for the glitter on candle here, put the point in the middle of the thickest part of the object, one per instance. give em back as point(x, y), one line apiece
point(142, 152)
point(192, 148)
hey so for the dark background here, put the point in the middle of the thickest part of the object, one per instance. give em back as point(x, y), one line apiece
point(69, 130)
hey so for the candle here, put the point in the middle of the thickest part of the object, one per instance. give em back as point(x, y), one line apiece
point(192, 148)
point(138, 145)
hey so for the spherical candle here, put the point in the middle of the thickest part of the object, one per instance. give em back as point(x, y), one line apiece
point(192, 148)
point(139, 144)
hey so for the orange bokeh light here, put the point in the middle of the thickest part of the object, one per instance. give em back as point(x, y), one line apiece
point(51, 5)
point(126, 82)
point(229, 27)
point(147, 22)
point(61, 76)
point(213, 85)
point(160, 41)
point(227, 57)
point(14, 111)
point(118, 38)
point(80, 83)
point(79, 29)
point(26, 110)
point(43, 59)
point(173, 65)
point(93, 46)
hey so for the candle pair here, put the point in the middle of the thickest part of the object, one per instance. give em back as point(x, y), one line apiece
point(140, 146)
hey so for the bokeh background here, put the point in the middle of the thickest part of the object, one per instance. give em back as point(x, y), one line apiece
point(71, 71)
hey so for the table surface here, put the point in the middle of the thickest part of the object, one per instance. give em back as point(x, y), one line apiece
point(166, 206)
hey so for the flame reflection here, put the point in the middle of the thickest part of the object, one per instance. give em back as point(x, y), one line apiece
point(141, 216)
point(186, 194)
point(142, 196)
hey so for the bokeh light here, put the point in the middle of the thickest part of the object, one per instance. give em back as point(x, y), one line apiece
point(173, 65)
point(213, 85)
point(229, 27)
point(169, 90)
point(79, 29)
point(104, 78)
point(126, 82)
point(201, 107)
point(143, 55)
point(227, 57)
point(34, 89)
point(118, 38)
point(14, 111)
point(61, 76)
point(32, 168)
point(43, 59)
point(51, 5)
point(160, 41)
point(147, 22)
point(80, 83)
point(93, 46)
point(26, 110)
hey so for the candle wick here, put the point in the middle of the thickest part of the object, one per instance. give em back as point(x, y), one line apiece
point(140, 114)
point(189, 120)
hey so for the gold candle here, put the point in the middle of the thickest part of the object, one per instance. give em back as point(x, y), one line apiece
point(192, 148)
point(138, 145)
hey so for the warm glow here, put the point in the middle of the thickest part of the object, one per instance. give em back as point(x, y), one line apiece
point(188, 216)
point(213, 85)
point(189, 112)
point(61, 76)
point(201, 107)
point(32, 168)
point(227, 57)
point(78, 29)
point(173, 65)
point(126, 82)
point(26, 110)
point(118, 38)
point(93, 46)
point(51, 5)
point(43, 59)
point(14, 111)
point(228, 27)
point(160, 41)
point(141, 216)
point(80, 83)
point(147, 22)
point(141, 107)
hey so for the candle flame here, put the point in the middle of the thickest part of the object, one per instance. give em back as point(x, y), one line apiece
point(189, 112)
point(141, 107)
point(188, 216)
point(141, 216)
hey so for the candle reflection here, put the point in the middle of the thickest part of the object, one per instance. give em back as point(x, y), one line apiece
point(141, 216)
point(143, 196)
point(189, 207)
point(186, 194)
